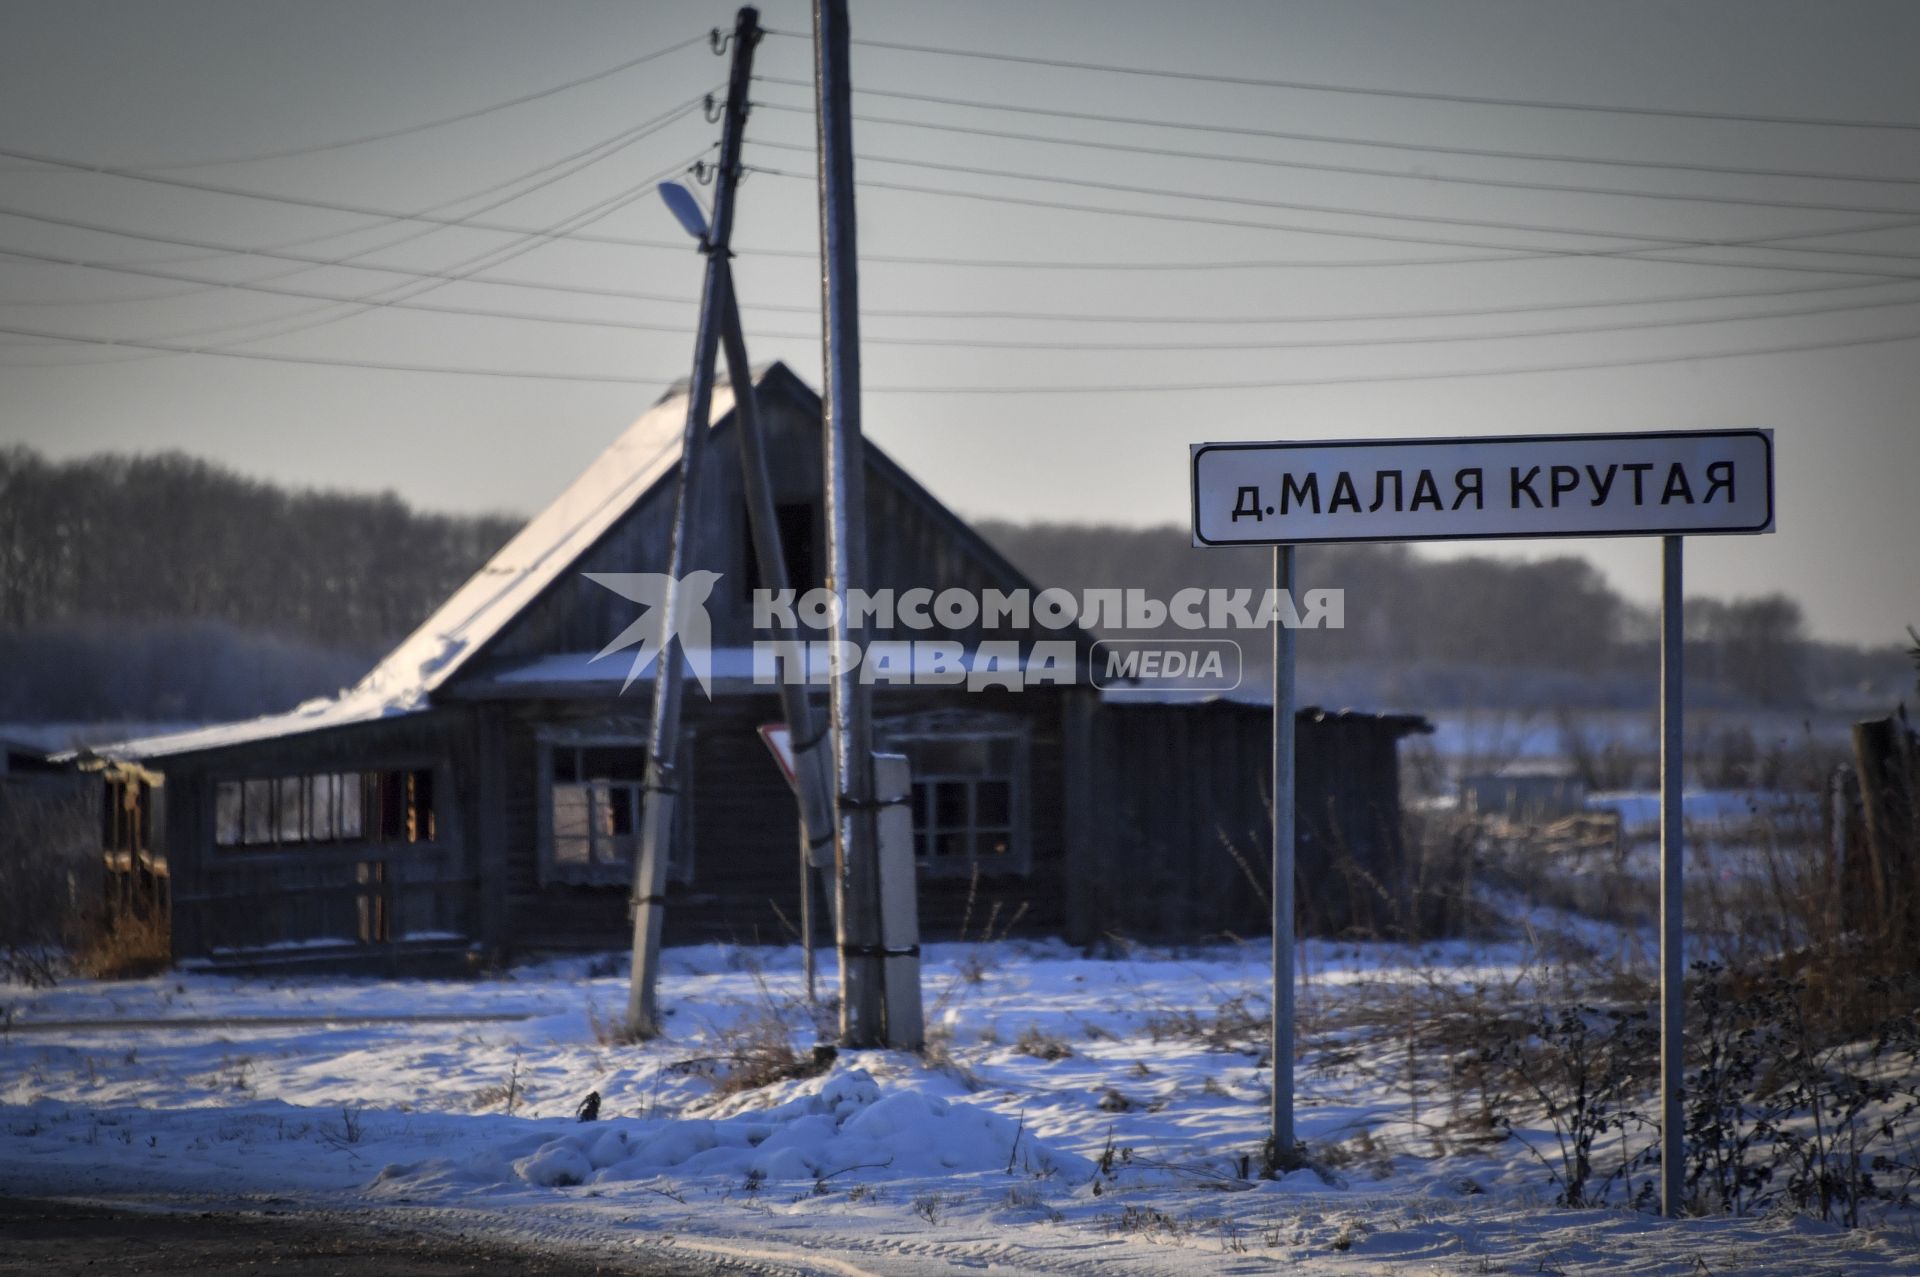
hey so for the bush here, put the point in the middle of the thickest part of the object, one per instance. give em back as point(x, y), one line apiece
point(49, 872)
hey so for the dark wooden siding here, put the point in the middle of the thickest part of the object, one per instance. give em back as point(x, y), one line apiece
point(1177, 837)
point(745, 883)
point(263, 905)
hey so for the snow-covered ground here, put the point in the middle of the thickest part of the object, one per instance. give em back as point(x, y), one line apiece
point(1075, 1114)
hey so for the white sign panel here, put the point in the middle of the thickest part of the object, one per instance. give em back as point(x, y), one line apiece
point(1660, 483)
point(779, 739)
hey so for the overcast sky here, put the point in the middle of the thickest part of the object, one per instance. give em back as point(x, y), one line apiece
point(149, 86)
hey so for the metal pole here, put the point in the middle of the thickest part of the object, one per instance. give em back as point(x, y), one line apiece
point(648, 902)
point(1281, 1152)
point(1672, 924)
point(806, 914)
point(813, 784)
point(857, 868)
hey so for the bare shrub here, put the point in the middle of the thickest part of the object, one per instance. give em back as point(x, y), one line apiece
point(760, 1052)
point(1441, 897)
point(123, 946)
point(612, 1030)
point(49, 872)
point(1780, 1109)
point(1041, 1045)
point(1231, 1027)
point(1585, 1070)
point(507, 1095)
point(936, 1052)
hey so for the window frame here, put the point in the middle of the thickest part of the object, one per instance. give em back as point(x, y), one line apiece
point(262, 803)
point(1018, 859)
point(596, 873)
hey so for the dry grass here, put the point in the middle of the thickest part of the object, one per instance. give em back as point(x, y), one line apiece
point(1042, 1045)
point(125, 946)
point(759, 1052)
point(614, 1030)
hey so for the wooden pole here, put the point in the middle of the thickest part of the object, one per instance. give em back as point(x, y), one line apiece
point(856, 858)
point(648, 903)
point(813, 784)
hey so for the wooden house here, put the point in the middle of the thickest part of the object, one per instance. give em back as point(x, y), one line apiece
point(478, 792)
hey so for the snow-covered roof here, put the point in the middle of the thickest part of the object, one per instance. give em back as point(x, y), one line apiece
point(538, 554)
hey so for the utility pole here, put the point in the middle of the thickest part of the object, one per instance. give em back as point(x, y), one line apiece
point(856, 854)
point(648, 904)
point(813, 777)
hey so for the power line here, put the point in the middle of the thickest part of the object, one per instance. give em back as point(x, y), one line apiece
point(457, 118)
point(1240, 264)
point(323, 361)
point(1126, 188)
point(1333, 139)
point(1108, 317)
point(462, 270)
point(472, 220)
point(309, 294)
point(1137, 388)
point(1564, 188)
point(469, 221)
point(1380, 378)
point(1316, 86)
point(964, 343)
point(1501, 253)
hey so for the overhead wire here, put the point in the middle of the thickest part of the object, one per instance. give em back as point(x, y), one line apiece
point(1127, 188)
point(1166, 152)
point(1456, 374)
point(471, 270)
point(478, 277)
point(459, 117)
point(1416, 95)
point(314, 317)
point(1037, 389)
point(1335, 139)
point(324, 361)
point(970, 343)
point(471, 220)
point(994, 315)
point(1500, 253)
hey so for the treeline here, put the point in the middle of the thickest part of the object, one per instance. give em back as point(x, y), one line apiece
point(139, 540)
point(1474, 630)
point(166, 587)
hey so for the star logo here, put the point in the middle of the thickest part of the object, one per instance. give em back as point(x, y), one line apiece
point(670, 608)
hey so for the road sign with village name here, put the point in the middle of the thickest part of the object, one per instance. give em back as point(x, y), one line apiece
point(1642, 484)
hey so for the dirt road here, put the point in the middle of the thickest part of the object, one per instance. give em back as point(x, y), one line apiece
point(51, 1239)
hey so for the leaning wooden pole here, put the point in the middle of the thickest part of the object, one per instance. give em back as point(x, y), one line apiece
point(648, 903)
point(813, 776)
point(856, 853)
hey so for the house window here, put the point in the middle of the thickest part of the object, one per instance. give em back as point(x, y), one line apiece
point(794, 522)
point(596, 801)
point(289, 811)
point(969, 802)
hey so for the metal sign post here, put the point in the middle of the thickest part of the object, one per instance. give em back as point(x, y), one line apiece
point(1282, 1146)
point(1668, 483)
point(1673, 967)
